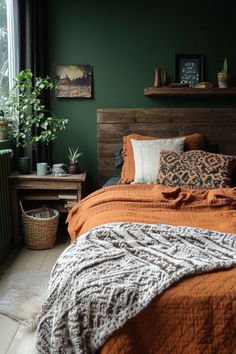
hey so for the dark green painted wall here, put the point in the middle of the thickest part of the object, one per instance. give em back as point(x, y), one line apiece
point(125, 41)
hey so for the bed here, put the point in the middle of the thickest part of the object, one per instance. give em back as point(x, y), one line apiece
point(151, 268)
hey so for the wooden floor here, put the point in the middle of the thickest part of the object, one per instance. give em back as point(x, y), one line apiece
point(13, 338)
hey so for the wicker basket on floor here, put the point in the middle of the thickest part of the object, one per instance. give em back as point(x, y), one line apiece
point(40, 227)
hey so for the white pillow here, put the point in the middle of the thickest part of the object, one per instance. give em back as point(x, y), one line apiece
point(147, 157)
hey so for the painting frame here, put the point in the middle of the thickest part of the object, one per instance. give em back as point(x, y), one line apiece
point(74, 81)
point(189, 68)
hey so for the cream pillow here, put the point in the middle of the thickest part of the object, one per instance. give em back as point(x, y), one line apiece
point(147, 157)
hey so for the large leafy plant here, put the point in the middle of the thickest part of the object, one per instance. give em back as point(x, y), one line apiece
point(24, 103)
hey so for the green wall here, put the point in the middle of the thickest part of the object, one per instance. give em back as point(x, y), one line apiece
point(125, 41)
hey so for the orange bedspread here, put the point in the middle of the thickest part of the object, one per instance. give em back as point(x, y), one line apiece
point(198, 315)
point(214, 209)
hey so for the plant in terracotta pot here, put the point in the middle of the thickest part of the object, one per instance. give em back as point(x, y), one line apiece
point(223, 75)
point(73, 157)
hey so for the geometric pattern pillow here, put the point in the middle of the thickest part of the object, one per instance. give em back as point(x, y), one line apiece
point(195, 169)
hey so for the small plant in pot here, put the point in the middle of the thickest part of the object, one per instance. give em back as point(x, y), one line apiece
point(4, 126)
point(73, 157)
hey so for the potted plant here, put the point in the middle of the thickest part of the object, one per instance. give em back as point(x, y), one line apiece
point(24, 103)
point(4, 123)
point(223, 76)
point(73, 157)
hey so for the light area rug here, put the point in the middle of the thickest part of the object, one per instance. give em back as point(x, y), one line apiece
point(22, 295)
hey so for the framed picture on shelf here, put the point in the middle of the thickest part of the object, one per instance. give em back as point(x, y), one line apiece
point(189, 68)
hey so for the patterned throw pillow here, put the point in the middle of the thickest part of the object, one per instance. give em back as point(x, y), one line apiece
point(195, 169)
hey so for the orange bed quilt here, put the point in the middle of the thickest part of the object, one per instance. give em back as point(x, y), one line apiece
point(198, 315)
point(214, 209)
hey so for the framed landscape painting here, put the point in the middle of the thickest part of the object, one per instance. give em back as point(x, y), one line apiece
point(74, 81)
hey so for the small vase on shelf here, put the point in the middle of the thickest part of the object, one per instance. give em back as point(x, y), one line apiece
point(157, 79)
point(165, 79)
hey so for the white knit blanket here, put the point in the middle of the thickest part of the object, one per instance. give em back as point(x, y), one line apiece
point(111, 273)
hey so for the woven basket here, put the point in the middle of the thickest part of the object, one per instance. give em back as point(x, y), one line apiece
point(40, 227)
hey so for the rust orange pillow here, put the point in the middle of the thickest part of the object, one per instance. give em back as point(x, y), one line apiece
point(192, 142)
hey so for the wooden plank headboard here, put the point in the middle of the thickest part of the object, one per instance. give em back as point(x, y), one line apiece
point(217, 124)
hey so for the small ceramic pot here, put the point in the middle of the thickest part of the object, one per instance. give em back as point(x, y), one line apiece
point(74, 168)
point(24, 165)
point(3, 129)
point(223, 80)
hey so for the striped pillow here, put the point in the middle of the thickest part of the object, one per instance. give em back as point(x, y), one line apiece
point(147, 157)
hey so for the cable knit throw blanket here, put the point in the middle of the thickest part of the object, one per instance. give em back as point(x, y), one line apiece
point(111, 273)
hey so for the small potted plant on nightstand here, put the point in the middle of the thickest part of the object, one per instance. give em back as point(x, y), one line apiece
point(73, 157)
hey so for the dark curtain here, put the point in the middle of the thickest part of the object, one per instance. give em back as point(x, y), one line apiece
point(34, 56)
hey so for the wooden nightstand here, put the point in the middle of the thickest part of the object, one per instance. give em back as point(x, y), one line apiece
point(61, 192)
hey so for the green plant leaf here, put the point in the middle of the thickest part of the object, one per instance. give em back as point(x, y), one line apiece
point(225, 66)
point(24, 101)
point(74, 154)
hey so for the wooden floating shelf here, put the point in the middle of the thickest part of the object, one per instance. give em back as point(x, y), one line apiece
point(189, 91)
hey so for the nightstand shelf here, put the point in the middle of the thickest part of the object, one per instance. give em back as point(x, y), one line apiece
point(61, 192)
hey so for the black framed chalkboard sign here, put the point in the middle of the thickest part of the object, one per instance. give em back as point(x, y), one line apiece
point(189, 68)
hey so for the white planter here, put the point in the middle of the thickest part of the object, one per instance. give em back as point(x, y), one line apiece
point(222, 80)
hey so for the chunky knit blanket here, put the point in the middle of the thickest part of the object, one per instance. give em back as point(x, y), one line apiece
point(112, 272)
